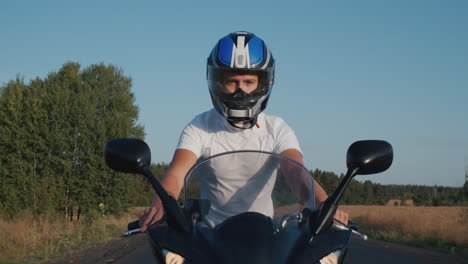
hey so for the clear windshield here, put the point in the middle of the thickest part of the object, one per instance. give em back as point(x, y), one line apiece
point(250, 181)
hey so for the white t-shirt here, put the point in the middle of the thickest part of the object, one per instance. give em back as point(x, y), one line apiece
point(208, 134)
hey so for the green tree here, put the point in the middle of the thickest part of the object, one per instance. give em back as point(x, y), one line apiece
point(14, 182)
point(52, 133)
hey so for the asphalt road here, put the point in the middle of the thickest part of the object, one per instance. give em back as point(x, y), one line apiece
point(360, 252)
point(375, 251)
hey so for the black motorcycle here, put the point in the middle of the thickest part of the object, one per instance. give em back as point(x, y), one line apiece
point(237, 222)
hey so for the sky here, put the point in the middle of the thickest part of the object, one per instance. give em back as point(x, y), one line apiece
point(345, 70)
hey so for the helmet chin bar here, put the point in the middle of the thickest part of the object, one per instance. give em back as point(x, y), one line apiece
point(236, 116)
point(239, 113)
point(242, 114)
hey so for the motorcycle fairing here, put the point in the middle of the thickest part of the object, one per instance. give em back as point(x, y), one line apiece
point(247, 238)
point(322, 244)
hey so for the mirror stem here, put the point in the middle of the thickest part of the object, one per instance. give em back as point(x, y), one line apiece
point(329, 206)
point(175, 217)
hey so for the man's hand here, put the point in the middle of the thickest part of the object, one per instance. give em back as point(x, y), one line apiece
point(151, 215)
point(172, 182)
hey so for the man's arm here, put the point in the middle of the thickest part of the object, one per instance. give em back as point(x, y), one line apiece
point(320, 194)
point(172, 182)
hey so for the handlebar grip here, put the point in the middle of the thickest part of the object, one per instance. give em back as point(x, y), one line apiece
point(133, 225)
point(353, 225)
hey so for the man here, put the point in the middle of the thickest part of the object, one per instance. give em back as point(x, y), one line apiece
point(240, 74)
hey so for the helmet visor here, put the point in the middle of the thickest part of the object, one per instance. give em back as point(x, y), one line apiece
point(226, 82)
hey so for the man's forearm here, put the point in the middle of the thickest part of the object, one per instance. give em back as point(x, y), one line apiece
point(320, 194)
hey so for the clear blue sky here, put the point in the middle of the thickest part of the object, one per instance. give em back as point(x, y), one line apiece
point(347, 70)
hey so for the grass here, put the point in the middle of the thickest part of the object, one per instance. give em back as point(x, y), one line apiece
point(441, 228)
point(30, 240)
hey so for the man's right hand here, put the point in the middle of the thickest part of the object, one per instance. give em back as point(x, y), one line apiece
point(151, 215)
point(172, 182)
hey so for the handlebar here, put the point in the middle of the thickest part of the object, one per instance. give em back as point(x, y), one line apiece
point(133, 225)
point(131, 232)
point(132, 229)
point(353, 226)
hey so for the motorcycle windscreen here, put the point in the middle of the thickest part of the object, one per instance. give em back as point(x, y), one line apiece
point(250, 181)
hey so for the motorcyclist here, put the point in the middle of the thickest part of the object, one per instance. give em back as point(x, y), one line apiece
point(240, 75)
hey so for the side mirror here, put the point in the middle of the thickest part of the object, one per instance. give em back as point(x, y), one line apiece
point(127, 155)
point(134, 156)
point(363, 157)
point(369, 156)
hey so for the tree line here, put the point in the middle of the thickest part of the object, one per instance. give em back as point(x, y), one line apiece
point(369, 193)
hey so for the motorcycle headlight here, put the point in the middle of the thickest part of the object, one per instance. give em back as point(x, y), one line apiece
point(173, 258)
point(331, 258)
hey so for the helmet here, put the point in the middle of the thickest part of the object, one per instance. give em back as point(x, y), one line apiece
point(240, 53)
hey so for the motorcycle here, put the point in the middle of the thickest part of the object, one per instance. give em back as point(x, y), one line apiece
point(269, 218)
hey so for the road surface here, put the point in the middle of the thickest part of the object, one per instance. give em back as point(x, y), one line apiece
point(360, 252)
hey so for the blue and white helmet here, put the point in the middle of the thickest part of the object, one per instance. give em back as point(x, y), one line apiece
point(240, 53)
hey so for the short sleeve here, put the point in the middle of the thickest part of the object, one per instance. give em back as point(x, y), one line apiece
point(191, 139)
point(285, 138)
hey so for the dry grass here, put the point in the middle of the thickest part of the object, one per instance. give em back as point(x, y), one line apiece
point(30, 239)
point(449, 224)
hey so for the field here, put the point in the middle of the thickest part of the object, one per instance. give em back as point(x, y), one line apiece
point(30, 240)
point(436, 225)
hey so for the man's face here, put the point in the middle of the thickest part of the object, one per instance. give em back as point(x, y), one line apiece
point(247, 82)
